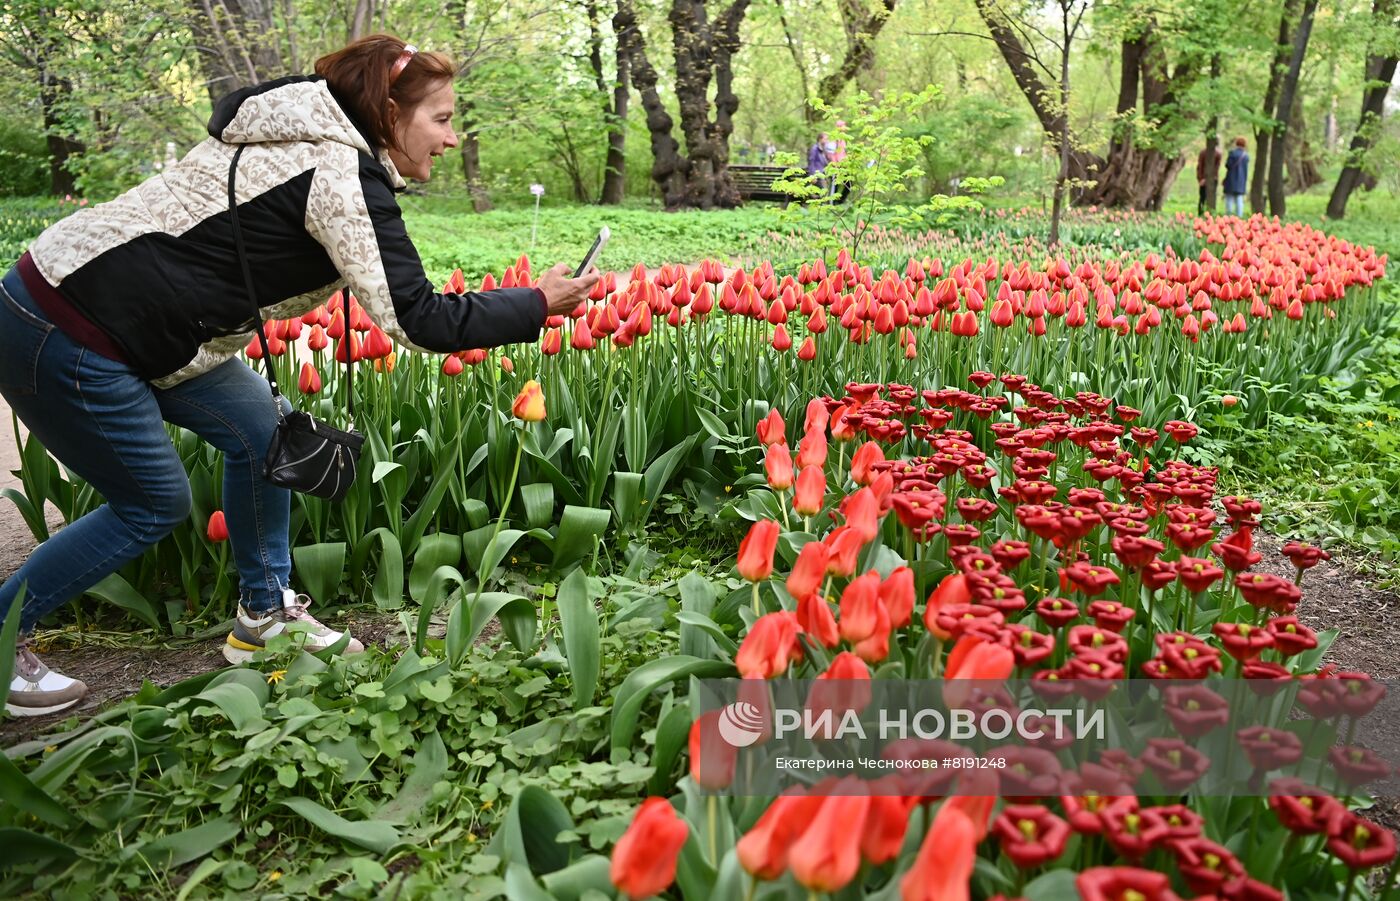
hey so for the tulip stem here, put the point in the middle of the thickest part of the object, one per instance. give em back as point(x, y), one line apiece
point(1351, 884)
point(711, 815)
point(756, 608)
point(500, 520)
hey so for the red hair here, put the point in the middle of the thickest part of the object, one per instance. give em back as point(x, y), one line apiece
point(359, 76)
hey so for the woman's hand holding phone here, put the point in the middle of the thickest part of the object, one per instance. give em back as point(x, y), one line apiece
point(563, 294)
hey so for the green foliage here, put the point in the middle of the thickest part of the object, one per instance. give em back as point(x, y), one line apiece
point(874, 182)
point(374, 775)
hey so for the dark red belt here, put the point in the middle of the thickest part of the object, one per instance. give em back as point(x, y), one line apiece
point(60, 311)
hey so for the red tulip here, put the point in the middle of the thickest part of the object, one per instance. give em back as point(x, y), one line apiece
point(811, 491)
point(218, 529)
point(712, 758)
point(808, 570)
point(777, 466)
point(772, 429)
point(756, 550)
point(943, 869)
point(770, 646)
point(861, 460)
point(763, 850)
point(897, 594)
point(827, 855)
point(644, 860)
point(860, 606)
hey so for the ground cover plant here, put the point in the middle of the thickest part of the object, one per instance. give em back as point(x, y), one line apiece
point(531, 567)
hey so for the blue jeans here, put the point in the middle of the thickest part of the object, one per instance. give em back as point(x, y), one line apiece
point(107, 424)
point(1234, 204)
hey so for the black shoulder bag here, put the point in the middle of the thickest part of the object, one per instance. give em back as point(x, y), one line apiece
point(305, 455)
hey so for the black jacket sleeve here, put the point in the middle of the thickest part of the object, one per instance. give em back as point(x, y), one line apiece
point(365, 236)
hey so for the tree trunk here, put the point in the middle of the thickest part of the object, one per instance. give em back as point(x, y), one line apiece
point(1136, 176)
point(1082, 164)
point(1213, 143)
point(52, 91)
point(237, 43)
point(1264, 136)
point(1380, 71)
point(862, 26)
point(1287, 93)
point(361, 19)
point(614, 110)
point(703, 52)
point(471, 157)
point(1300, 162)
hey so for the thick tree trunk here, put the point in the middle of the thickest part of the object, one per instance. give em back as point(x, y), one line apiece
point(1380, 71)
point(862, 25)
point(1287, 93)
point(1136, 176)
point(1213, 143)
point(1082, 164)
point(703, 52)
point(1264, 136)
point(52, 91)
point(614, 110)
point(237, 43)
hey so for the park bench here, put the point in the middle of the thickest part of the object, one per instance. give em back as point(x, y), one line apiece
point(756, 182)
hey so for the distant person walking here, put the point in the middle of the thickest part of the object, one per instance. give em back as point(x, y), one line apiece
point(1236, 178)
point(817, 158)
point(1207, 168)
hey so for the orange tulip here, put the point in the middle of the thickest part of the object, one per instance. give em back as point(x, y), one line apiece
point(862, 511)
point(309, 381)
point(763, 850)
point(885, 826)
point(529, 403)
point(943, 868)
point(756, 550)
point(827, 855)
point(218, 529)
point(644, 860)
point(452, 366)
point(811, 450)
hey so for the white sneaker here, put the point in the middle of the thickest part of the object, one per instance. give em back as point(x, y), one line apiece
point(251, 631)
point(35, 689)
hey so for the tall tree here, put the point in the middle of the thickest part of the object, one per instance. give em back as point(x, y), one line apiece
point(1264, 134)
point(1288, 92)
point(861, 21)
point(614, 108)
point(1027, 68)
point(704, 53)
point(238, 43)
point(1380, 72)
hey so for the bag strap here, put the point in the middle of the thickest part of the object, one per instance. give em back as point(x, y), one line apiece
point(257, 310)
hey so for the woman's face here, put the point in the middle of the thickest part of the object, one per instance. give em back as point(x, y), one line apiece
point(425, 133)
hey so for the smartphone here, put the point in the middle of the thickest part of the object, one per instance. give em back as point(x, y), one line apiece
point(597, 248)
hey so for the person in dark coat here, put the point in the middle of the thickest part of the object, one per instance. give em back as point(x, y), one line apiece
point(1207, 168)
point(1236, 178)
